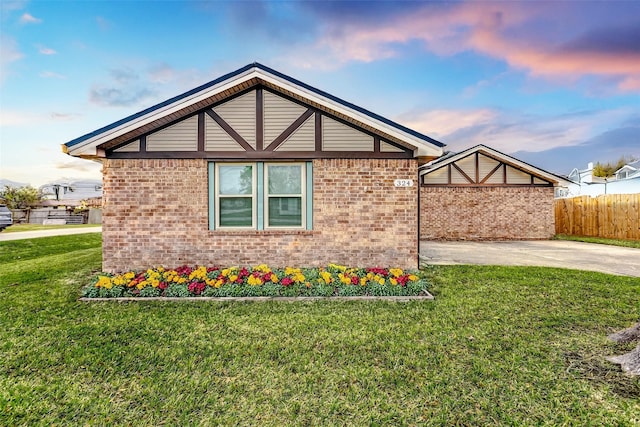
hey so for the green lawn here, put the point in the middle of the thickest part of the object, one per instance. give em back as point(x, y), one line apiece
point(498, 346)
point(600, 240)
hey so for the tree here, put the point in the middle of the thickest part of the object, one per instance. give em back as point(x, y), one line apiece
point(20, 198)
point(630, 362)
point(605, 170)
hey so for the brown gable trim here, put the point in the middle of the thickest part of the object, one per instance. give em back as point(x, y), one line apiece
point(490, 174)
point(228, 129)
point(290, 130)
point(259, 119)
point(260, 155)
point(462, 173)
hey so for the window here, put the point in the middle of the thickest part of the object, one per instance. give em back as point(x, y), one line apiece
point(260, 195)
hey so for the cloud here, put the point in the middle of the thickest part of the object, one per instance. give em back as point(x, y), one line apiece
point(511, 131)
point(118, 97)
point(103, 23)
point(56, 116)
point(565, 41)
point(78, 165)
point(7, 6)
point(51, 75)
point(124, 88)
point(27, 18)
point(10, 54)
point(46, 50)
point(604, 147)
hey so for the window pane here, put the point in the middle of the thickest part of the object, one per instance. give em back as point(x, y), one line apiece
point(236, 212)
point(285, 179)
point(285, 211)
point(236, 179)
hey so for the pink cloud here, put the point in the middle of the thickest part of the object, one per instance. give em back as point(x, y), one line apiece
point(28, 18)
point(550, 40)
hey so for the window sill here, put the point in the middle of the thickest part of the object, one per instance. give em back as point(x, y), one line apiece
point(263, 232)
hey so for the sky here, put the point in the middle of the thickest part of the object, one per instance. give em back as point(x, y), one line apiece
point(553, 83)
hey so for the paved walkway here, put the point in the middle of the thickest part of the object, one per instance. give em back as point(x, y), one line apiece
point(545, 253)
point(4, 236)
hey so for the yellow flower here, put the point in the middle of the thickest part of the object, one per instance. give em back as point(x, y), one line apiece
point(393, 281)
point(413, 277)
point(274, 278)
point(263, 268)
point(326, 276)
point(254, 281)
point(381, 281)
point(397, 272)
point(233, 278)
point(363, 281)
point(104, 282)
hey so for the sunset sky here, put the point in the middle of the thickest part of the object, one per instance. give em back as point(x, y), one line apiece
point(557, 84)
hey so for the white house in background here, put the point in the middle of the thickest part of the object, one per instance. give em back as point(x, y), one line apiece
point(625, 181)
point(71, 192)
point(628, 171)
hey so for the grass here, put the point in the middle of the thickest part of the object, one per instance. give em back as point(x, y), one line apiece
point(35, 227)
point(498, 346)
point(600, 240)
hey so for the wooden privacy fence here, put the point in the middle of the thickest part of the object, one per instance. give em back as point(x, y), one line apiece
point(614, 216)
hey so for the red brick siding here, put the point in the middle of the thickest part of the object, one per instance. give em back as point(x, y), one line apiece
point(156, 213)
point(486, 213)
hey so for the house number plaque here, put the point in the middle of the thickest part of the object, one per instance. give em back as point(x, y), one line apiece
point(403, 183)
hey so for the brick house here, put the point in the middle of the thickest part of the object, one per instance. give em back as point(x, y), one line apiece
point(483, 194)
point(257, 167)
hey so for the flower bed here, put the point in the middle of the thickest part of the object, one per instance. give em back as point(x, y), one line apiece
point(260, 281)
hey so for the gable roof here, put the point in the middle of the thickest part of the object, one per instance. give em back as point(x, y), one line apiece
point(242, 79)
point(512, 161)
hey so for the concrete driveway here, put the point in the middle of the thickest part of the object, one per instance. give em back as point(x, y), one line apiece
point(47, 233)
point(545, 253)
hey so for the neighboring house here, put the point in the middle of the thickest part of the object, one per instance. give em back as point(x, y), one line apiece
point(625, 181)
point(481, 194)
point(628, 171)
point(71, 193)
point(257, 167)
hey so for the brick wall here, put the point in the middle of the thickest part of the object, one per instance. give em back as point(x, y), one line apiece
point(486, 213)
point(156, 213)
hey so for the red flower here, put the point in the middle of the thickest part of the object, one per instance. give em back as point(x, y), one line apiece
point(355, 280)
point(163, 285)
point(184, 270)
point(286, 281)
point(196, 287)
